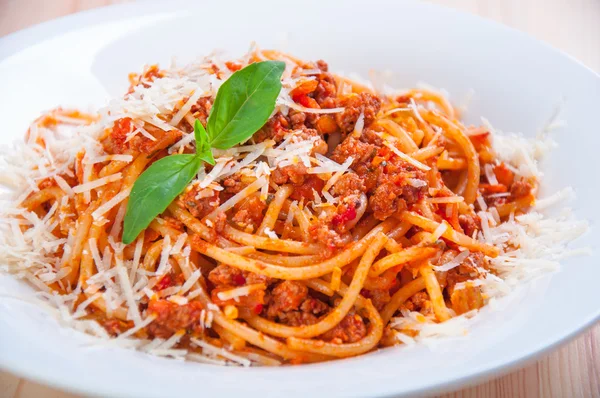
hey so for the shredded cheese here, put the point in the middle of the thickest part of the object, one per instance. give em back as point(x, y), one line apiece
point(106, 207)
point(88, 186)
point(238, 292)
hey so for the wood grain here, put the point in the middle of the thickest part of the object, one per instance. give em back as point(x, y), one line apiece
point(573, 26)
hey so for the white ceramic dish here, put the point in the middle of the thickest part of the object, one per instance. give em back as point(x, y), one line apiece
point(84, 59)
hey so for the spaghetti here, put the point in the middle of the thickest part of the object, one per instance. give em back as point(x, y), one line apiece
point(347, 215)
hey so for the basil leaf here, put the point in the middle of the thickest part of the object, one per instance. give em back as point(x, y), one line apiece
point(155, 189)
point(201, 136)
point(203, 150)
point(207, 157)
point(244, 103)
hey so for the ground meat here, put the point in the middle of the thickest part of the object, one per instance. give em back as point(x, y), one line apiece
point(235, 183)
point(201, 109)
point(287, 296)
point(305, 191)
point(297, 119)
point(413, 194)
point(325, 92)
point(294, 174)
point(361, 152)
point(354, 105)
point(469, 223)
point(419, 302)
point(308, 313)
point(386, 200)
point(350, 330)
point(314, 306)
point(380, 297)
point(201, 207)
point(520, 189)
point(250, 213)
point(349, 184)
point(290, 304)
point(387, 183)
point(392, 191)
point(416, 302)
point(332, 228)
point(171, 317)
point(372, 136)
point(275, 129)
point(226, 276)
point(297, 318)
point(116, 142)
point(319, 146)
point(323, 233)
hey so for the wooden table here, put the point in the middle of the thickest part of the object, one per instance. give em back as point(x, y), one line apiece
point(570, 25)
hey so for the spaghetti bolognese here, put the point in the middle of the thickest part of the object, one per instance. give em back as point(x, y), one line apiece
point(353, 219)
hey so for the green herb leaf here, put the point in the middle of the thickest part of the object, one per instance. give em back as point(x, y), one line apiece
point(244, 103)
point(203, 149)
point(155, 189)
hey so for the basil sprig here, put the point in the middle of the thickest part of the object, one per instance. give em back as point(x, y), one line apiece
point(242, 106)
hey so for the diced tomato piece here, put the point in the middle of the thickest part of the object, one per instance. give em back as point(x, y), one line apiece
point(304, 88)
point(340, 219)
point(490, 189)
point(305, 191)
point(164, 282)
point(306, 101)
point(232, 66)
point(480, 140)
point(504, 175)
point(239, 279)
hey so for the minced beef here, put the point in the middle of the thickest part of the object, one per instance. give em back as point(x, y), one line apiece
point(469, 223)
point(249, 214)
point(361, 152)
point(201, 207)
point(171, 317)
point(348, 184)
point(286, 296)
point(350, 330)
point(354, 105)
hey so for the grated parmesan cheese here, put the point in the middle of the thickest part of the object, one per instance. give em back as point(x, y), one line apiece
point(238, 292)
point(106, 207)
point(88, 186)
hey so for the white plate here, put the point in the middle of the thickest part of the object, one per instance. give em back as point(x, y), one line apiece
point(83, 59)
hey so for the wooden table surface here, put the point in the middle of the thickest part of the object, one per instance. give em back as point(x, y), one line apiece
point(570, 25)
